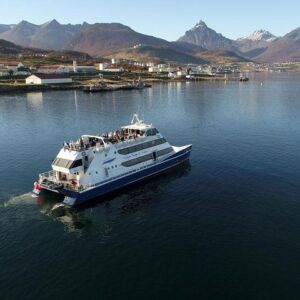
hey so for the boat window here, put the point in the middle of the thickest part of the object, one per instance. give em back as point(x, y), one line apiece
point(138, 148)
point(152, 131)
point(142, 146)
point(76, 163)
point(146, 157)
point(164, 151)
point(137, 160)
point(67, 163)
point(62, 162)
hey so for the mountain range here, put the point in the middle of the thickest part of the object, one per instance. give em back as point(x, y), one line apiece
point(261, 45)
point(200, 44)
point(11, 50)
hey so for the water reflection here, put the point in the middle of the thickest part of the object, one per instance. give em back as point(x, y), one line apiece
point(35, 100)
point(72, 219)
point(75, 101)
point(99, 214)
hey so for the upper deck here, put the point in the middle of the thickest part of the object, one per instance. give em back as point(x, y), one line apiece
point(136, 130)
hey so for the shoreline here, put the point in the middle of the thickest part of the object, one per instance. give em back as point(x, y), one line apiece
point(23, 88)
point(7, 89)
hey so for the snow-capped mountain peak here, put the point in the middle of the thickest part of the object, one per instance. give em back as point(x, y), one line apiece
point(260, 35)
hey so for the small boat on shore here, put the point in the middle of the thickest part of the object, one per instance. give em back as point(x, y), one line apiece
point(98, 164)
point(103, 87)
point(244, 78)
point(139, 84)
point(97, 87)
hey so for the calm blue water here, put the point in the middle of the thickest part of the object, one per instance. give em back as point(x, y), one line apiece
point(224, 226)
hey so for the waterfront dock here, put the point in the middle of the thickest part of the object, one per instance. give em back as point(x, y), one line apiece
point(91, 83)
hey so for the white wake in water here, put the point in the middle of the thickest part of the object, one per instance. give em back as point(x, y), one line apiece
point(20, 199)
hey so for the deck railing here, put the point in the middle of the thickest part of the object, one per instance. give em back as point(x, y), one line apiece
point(118, 142)
point(47, 175)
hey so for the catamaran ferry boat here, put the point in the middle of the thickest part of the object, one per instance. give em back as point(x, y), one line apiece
point(97, 164)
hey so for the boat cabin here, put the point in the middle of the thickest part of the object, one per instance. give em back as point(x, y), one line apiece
point(74, 159)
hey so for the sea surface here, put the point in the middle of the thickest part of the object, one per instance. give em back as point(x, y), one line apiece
point(225, 225)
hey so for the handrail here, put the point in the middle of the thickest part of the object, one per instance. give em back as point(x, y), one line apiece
point(119, 142)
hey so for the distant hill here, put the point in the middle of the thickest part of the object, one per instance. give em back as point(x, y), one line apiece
point(170, 54)
point(95, 39)
point(54, 36)
point(221, 57)
point(157, 54)
point(283, 49)
point(107, 39)
point(256, 43)
point(4, 28)
point(50, 36)
point(10, 50)
point(259, 35)
point(261, 45)
point(20, 34)
point(200, 43)
point(104, 38)
point(205, 37)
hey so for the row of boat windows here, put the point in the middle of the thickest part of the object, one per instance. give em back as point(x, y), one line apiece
point(67, 163)
point(164, 151)
point(146, 157)
point(141, 146)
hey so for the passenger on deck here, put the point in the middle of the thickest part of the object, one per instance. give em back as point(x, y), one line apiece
point(81, 142)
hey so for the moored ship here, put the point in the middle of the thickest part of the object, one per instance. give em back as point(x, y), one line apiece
point(97, 164)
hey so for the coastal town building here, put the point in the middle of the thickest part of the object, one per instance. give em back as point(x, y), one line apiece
point(60, 69)
point(115, 70)
point(22, 71)
point(171, 75)
point(199, 70)
point(48, 79)
point(86, 69)
point(102, 66)
point(160, 68)
point(13, 66)
point(4, 72)
point(181, 73)
point(139, 64)
point(139, 46)
point(13, 69)
point(50, 69)
point(83, 69)
point(115, 61)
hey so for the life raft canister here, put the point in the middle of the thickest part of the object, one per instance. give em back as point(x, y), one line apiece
point(37, 186)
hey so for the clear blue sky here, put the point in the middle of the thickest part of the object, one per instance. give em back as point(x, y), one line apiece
point(165, 18)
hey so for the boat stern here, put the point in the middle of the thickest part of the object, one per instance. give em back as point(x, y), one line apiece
point(36, 189)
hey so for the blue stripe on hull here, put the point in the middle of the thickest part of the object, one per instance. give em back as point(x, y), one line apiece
point(80, 198)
